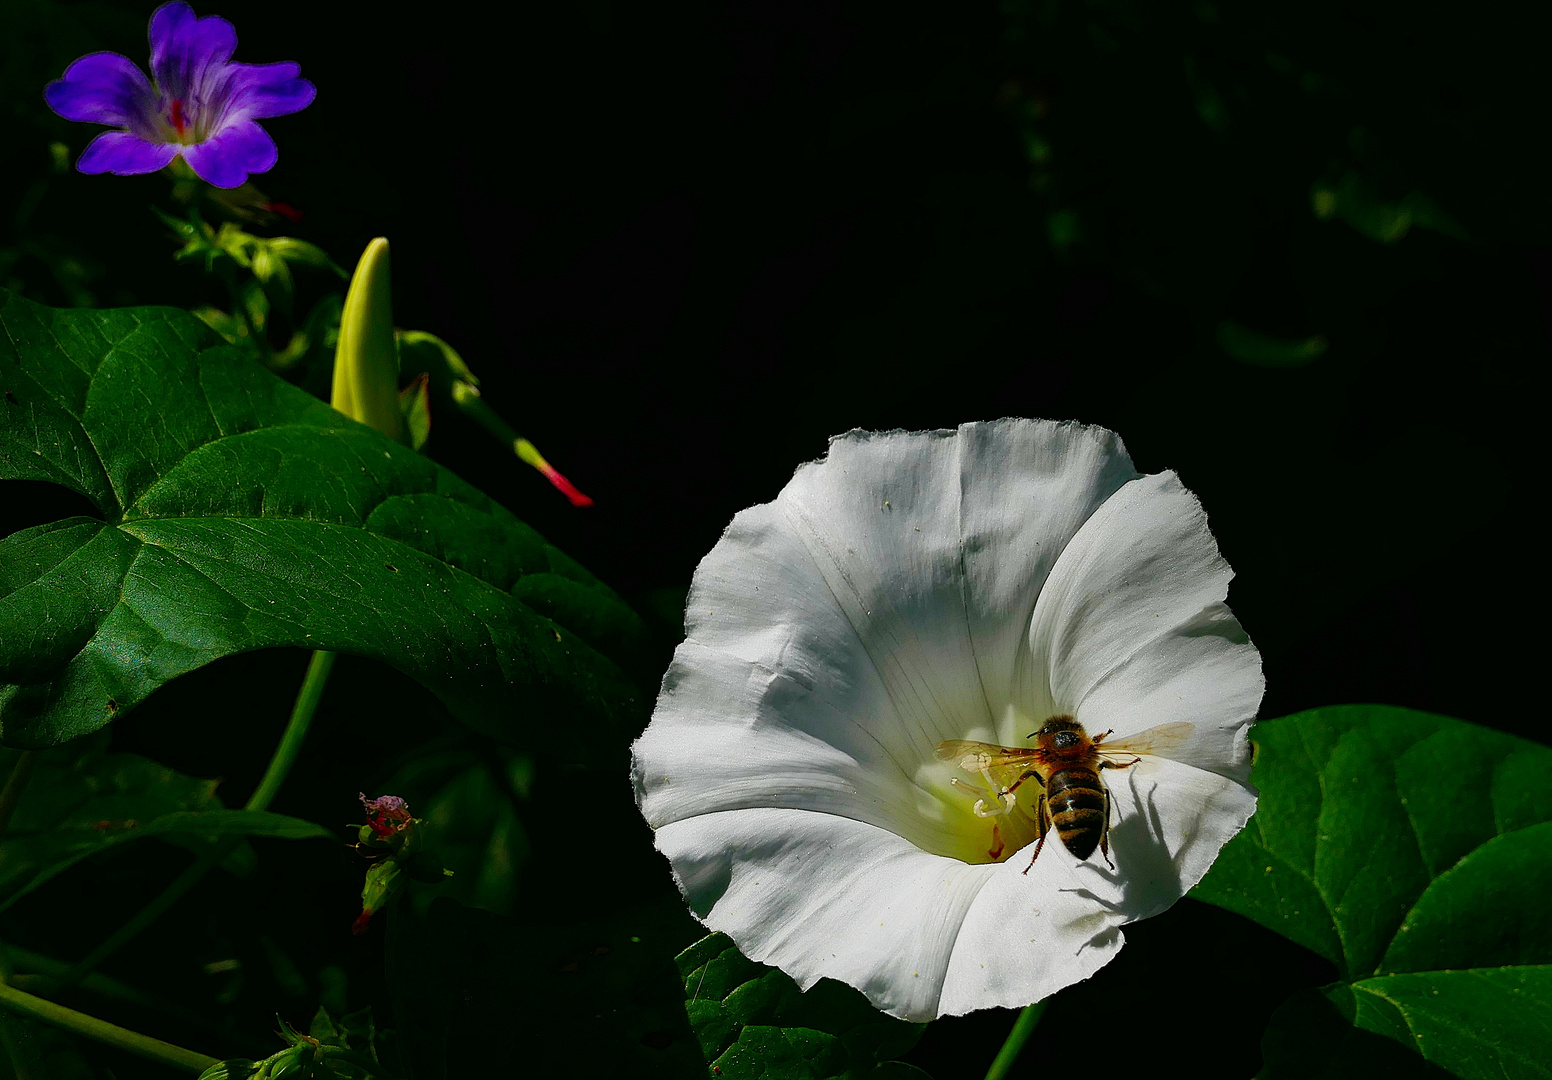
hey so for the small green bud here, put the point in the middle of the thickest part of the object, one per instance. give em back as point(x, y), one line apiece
point(366, 360)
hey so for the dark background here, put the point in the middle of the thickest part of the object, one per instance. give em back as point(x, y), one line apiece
point(684, 244)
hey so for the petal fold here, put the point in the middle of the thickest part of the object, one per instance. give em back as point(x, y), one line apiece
point(1143, 567)
point(733, 735)
point(258, 91)
point(227, 157)
point(187, 52)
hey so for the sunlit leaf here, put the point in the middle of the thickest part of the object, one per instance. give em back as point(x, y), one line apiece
point(753, 1021)
point(1415, 853)
point(237, 513)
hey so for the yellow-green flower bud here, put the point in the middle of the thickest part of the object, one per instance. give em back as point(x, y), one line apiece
point(366, 361)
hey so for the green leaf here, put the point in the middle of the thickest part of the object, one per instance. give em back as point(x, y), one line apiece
point(30, 862)
point(753, 1021)
point(238, 513)
point(477, 994)
point(1415, 853)
point(82, 800)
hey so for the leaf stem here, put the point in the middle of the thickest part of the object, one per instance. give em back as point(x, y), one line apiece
point(81, 1024)
point(40, 975)
point(1023, 1028)
point(280, 764)
point(21, 772)
point(291, 739)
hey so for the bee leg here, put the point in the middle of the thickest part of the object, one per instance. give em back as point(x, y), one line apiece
point(1115, 765)
point(1042, 824)
point(1031, 774)
point(1104, 837)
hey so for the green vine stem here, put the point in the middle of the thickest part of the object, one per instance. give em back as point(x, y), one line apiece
point(291, 739)
point(1023, 1028)
point(35, 973)
point(111, 1034)
point(280, 764)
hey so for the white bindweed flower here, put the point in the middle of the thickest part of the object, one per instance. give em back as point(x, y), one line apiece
point(918, 587)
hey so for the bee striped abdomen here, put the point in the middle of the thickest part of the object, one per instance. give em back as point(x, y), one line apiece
point(1076, 799)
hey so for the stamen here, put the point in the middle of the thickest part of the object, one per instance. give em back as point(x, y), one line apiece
point(178, 122)
point(1006, 800)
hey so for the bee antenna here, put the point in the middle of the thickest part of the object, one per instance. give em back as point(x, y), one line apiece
point(1031, 735)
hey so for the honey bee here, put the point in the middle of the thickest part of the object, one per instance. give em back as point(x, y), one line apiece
point(1065, 764)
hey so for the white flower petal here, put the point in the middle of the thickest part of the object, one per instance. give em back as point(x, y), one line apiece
point(732, 735)
point(1171, 819)
point(837, 635)
point(1143, 568)
point(823, 897)
point(1028, 487)
point(1204, 672)
point(1029, 935)
point(917, 587)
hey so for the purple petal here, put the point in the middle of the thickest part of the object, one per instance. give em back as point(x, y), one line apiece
point(103, 88)
point(226, 159)
point(257, 91)
point(123, 154)
point(187, 52)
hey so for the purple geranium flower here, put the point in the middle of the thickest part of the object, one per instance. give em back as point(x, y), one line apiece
point(201, 105)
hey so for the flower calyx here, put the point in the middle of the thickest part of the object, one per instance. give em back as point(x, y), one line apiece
point(391, 841)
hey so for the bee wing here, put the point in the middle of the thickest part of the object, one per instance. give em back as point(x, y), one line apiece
point(1155, 741)
point(973, 756)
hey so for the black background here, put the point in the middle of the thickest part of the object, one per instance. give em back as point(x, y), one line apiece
point(684, 244)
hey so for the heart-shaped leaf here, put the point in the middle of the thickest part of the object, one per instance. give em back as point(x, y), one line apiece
point(238, 513)
point(753, 1021)
point(1415, 853)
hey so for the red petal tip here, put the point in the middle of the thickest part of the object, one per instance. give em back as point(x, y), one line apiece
point(564, 486)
